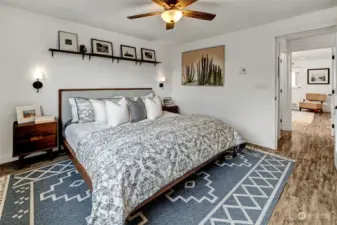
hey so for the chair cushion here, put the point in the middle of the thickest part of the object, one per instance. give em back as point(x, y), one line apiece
point(311, 105)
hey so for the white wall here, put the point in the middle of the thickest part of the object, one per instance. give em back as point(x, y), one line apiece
point(24, 42)
point(298, 94)
point(245, 102)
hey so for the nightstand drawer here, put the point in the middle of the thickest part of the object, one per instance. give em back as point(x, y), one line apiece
point(26, 132)
point(30, 137)
point(35, 143)
point(172, 109)
point(45, 142)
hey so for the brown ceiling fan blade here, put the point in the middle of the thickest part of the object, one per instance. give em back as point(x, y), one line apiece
point(184, 3)
point(162, 3)
point(198, 15)
point(169, 26)
point(144, 15)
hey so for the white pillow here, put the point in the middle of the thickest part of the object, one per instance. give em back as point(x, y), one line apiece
point(73, 110)
point(151, 95)
point(117, 113)
point(99, 109)
point(153, 108)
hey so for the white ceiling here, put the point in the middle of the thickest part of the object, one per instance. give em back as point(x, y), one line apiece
point(325, 53)
point(232, 15)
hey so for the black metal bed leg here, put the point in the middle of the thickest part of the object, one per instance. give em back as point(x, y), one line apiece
point(242, 147)
point(235, 152)
point(237, 149)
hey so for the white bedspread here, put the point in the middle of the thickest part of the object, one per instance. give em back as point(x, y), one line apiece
point(75, 132)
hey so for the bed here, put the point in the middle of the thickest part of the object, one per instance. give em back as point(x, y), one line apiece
point(130, 165)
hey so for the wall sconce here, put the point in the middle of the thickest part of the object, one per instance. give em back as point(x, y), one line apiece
point(38, 84)
point(161, 82)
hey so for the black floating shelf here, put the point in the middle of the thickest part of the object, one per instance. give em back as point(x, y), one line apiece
point(90, 55)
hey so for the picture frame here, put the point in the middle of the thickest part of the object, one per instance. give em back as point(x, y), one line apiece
point(319, 76)
point(26, 114)
point(204, 67)
point(168, 101)
point(128, 52)
point(68, 41)
point(148, 55)
point(100, 47)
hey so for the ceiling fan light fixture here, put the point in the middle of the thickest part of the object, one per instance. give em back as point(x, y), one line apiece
point(171, 16)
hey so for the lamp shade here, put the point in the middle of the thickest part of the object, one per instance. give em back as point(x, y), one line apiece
point(171, 16)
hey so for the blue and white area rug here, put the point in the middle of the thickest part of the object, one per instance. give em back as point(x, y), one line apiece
point(241, 190)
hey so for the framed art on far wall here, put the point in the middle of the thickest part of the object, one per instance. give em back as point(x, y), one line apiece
point(101, 47)
point(68, 41)
point(204, 67)
point(319, 76)
point(26, 114)
point(148, 55)
point(128, 52)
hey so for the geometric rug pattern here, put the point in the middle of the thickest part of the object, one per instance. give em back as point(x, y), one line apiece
point(240, 190)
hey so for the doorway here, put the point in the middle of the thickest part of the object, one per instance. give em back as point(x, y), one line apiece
point(292, 85)
point(294, 45)
point(311, 86)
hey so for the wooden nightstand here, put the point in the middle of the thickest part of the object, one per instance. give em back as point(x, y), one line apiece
point(171, 108)
point(31, 137)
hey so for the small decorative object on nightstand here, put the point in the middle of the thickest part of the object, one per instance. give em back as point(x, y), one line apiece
point(31, 137)
point(171, 108)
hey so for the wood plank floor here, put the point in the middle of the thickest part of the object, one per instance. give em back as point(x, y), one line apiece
point(310, 196)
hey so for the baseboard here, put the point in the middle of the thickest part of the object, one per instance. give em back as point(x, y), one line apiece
point(5, 160)
point(258, 143)
point(260, 147)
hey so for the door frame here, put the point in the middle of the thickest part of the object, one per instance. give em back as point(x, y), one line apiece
point(333, 86)
point(287, 88)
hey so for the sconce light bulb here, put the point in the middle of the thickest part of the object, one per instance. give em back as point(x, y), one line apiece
point(162, 79)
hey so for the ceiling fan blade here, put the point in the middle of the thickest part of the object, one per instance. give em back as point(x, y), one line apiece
point(169, 26)
point(198, 15)
point(144, 15)
point(162, 3)
point(184, 3)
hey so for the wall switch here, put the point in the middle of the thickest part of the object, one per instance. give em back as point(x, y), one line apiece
point(243, 71)
point(261, 86)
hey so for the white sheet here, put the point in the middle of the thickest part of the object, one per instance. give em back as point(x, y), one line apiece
point(75, 132)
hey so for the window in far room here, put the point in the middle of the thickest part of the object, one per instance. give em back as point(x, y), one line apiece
point(294, 74)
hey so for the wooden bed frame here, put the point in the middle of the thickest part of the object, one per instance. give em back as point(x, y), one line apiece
point(63, 142)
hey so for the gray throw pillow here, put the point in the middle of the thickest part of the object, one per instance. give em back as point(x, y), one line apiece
point(85, 111)
point(137, 110)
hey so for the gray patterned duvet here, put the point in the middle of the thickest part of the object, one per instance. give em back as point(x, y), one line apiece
point(129, 164)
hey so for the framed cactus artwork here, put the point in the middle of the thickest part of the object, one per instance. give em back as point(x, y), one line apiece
point(204, 67)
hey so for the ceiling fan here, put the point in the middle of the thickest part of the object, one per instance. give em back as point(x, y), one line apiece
point(174, 11)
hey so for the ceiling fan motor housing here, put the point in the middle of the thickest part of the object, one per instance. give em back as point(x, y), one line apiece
point(174, 10)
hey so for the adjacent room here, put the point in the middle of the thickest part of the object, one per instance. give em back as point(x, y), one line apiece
point(311, 88)
point(168, 112)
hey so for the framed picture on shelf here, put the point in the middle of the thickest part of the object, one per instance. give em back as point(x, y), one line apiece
point(148, 55)
point(101, 47)
point(128, 52)
point(319, 76)
point(68, 41)
point(26, 114)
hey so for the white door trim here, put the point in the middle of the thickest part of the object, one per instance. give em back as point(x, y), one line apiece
point(300, 35)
